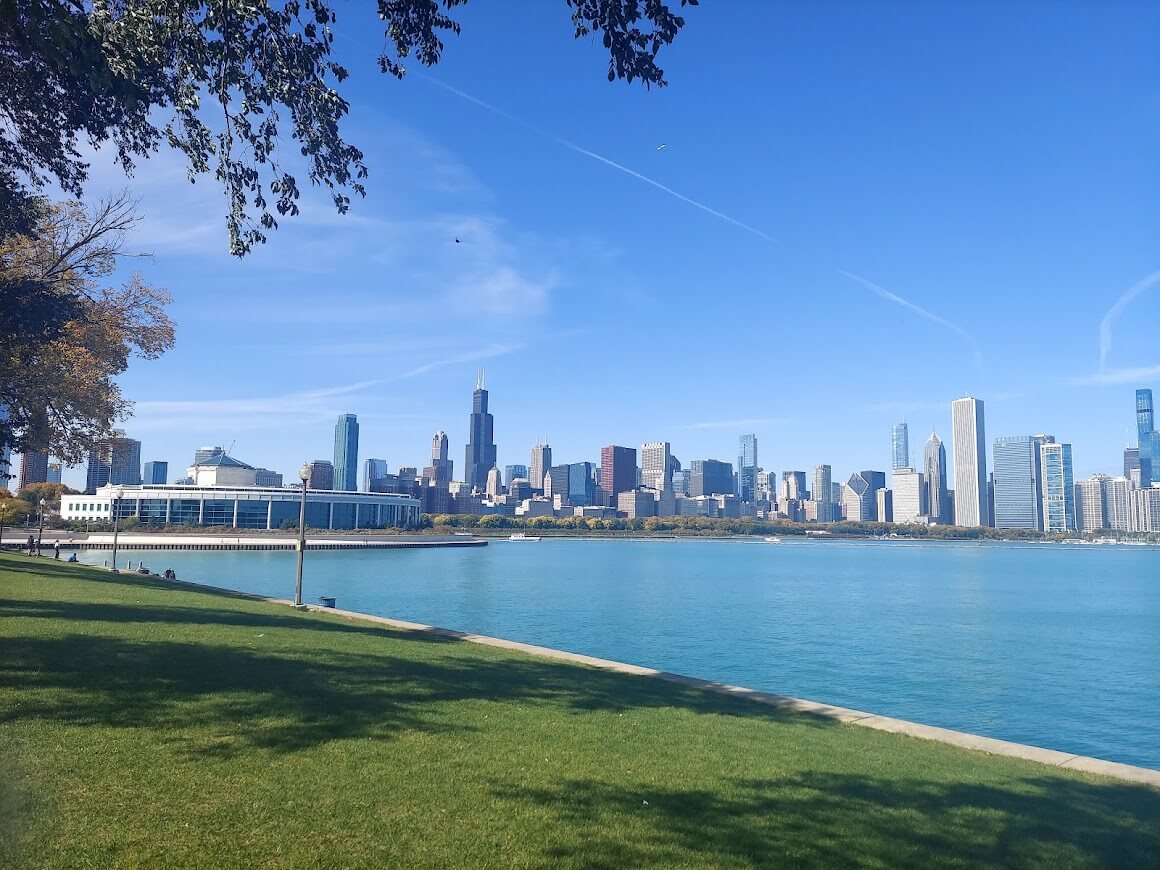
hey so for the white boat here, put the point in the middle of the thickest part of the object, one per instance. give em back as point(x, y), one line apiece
point(772, 540)
point(520, 536)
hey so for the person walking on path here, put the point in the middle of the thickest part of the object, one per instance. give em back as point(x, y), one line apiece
point(56, 550)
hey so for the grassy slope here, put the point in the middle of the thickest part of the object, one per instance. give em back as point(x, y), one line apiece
point(142, 724)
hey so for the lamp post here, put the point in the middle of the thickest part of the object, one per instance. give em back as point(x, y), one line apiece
point(116, 495)
point(40, 531)
point(304, 476)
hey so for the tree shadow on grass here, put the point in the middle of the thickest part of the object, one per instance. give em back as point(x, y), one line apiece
point(286, 699)
point(836, 819)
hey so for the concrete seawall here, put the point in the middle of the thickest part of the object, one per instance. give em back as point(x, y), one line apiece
point(845, 715)
point(128, 541)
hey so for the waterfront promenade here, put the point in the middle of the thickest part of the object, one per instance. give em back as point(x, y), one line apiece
point(253, 541)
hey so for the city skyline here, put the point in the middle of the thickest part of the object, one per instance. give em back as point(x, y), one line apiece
point(343, 433)
point(974, 212)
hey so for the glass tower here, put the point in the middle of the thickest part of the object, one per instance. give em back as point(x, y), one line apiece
point(479, 457)
point(747, 468)
point(899, 447)
point(822, 493)
point(1058, 488)
point(1016, 482)
point(934, 471)
point(156, 473)
point(115, 460)
point(617, 471)
point(1145, 427)
point(346, 453)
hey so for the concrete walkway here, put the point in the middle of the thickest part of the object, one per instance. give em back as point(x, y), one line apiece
point(991, 745)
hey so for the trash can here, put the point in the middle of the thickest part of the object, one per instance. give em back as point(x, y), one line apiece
point(325, 601)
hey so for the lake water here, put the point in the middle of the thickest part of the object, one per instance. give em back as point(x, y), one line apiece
point(1055, 646)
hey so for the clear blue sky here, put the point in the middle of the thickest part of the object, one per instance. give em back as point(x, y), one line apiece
point(995, 165)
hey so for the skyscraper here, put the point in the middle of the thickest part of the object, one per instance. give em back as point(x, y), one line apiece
point(33, 469)
point(115, 460)
point(373, 469)
point(794, 485)
point(55, 472)
point(1091, 503)
point(822, 493)
point(709, 477)
point(321, 475)
point(514, 472)
point(909, 495)
point(1131, 462)
point(494, 486)
point(441, 468)
point(1058, 488)
point(1145, 426)
point(747, 468)
point(156, 473)
point(1118, 499)
point(617, 471)
point(969, 445)
point(934, 475)
point(346, 453)
point(656, 466)
point(899, 446)
point(541, 461)
point(581, 484)
point(1016, 461)
point(479, 458)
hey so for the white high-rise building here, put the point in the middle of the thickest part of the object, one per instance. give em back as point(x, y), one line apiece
point(1145, 510)
point(969, 446)
point(1118, 499)
point(1091, 506)
point(852, 508)
point(656, 466)
point(909, 495)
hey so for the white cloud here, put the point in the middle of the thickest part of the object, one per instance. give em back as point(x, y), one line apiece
point(1115, 311)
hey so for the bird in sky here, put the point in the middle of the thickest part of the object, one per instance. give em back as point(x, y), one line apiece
point(662, 146)
point(457, 241)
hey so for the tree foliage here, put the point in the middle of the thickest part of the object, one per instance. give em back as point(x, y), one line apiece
point(65, 333)
point(230, 84)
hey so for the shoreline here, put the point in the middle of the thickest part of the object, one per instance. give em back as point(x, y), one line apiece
point(844, 715)
point(159, 541)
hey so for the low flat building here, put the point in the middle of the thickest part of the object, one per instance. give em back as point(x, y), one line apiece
point(244, 507)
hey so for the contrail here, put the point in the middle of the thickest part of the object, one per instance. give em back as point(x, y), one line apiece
point(572, 146)
point(1114, 312)
point(920, 311)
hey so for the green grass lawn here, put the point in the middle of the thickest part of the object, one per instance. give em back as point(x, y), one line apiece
point(143, 724)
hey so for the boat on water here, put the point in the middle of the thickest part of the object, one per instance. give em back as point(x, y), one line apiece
point(520, 536)
point(772, 540)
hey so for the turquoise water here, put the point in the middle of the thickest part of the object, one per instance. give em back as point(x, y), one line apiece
point(1055, 646)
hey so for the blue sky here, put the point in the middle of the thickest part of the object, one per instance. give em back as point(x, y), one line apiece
point(892, 205)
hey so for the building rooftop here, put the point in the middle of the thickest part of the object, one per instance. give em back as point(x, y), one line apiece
point(223, 461)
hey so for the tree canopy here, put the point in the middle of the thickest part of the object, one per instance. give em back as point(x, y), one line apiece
point(66, 333)
point(226, 83)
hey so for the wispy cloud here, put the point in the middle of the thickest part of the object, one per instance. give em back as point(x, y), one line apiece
point(572, 146)
point(920, 311)
point(489, 352)
point(751, 423)
point(308, 406)
point(1114, 313)
point(1118, 376)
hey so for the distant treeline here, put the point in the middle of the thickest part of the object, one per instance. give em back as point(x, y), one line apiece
point(720, 526)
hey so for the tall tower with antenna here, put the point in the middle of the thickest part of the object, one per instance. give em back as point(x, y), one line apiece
point(479, 457)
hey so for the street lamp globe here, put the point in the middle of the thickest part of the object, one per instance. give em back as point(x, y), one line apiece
point(304, 472)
